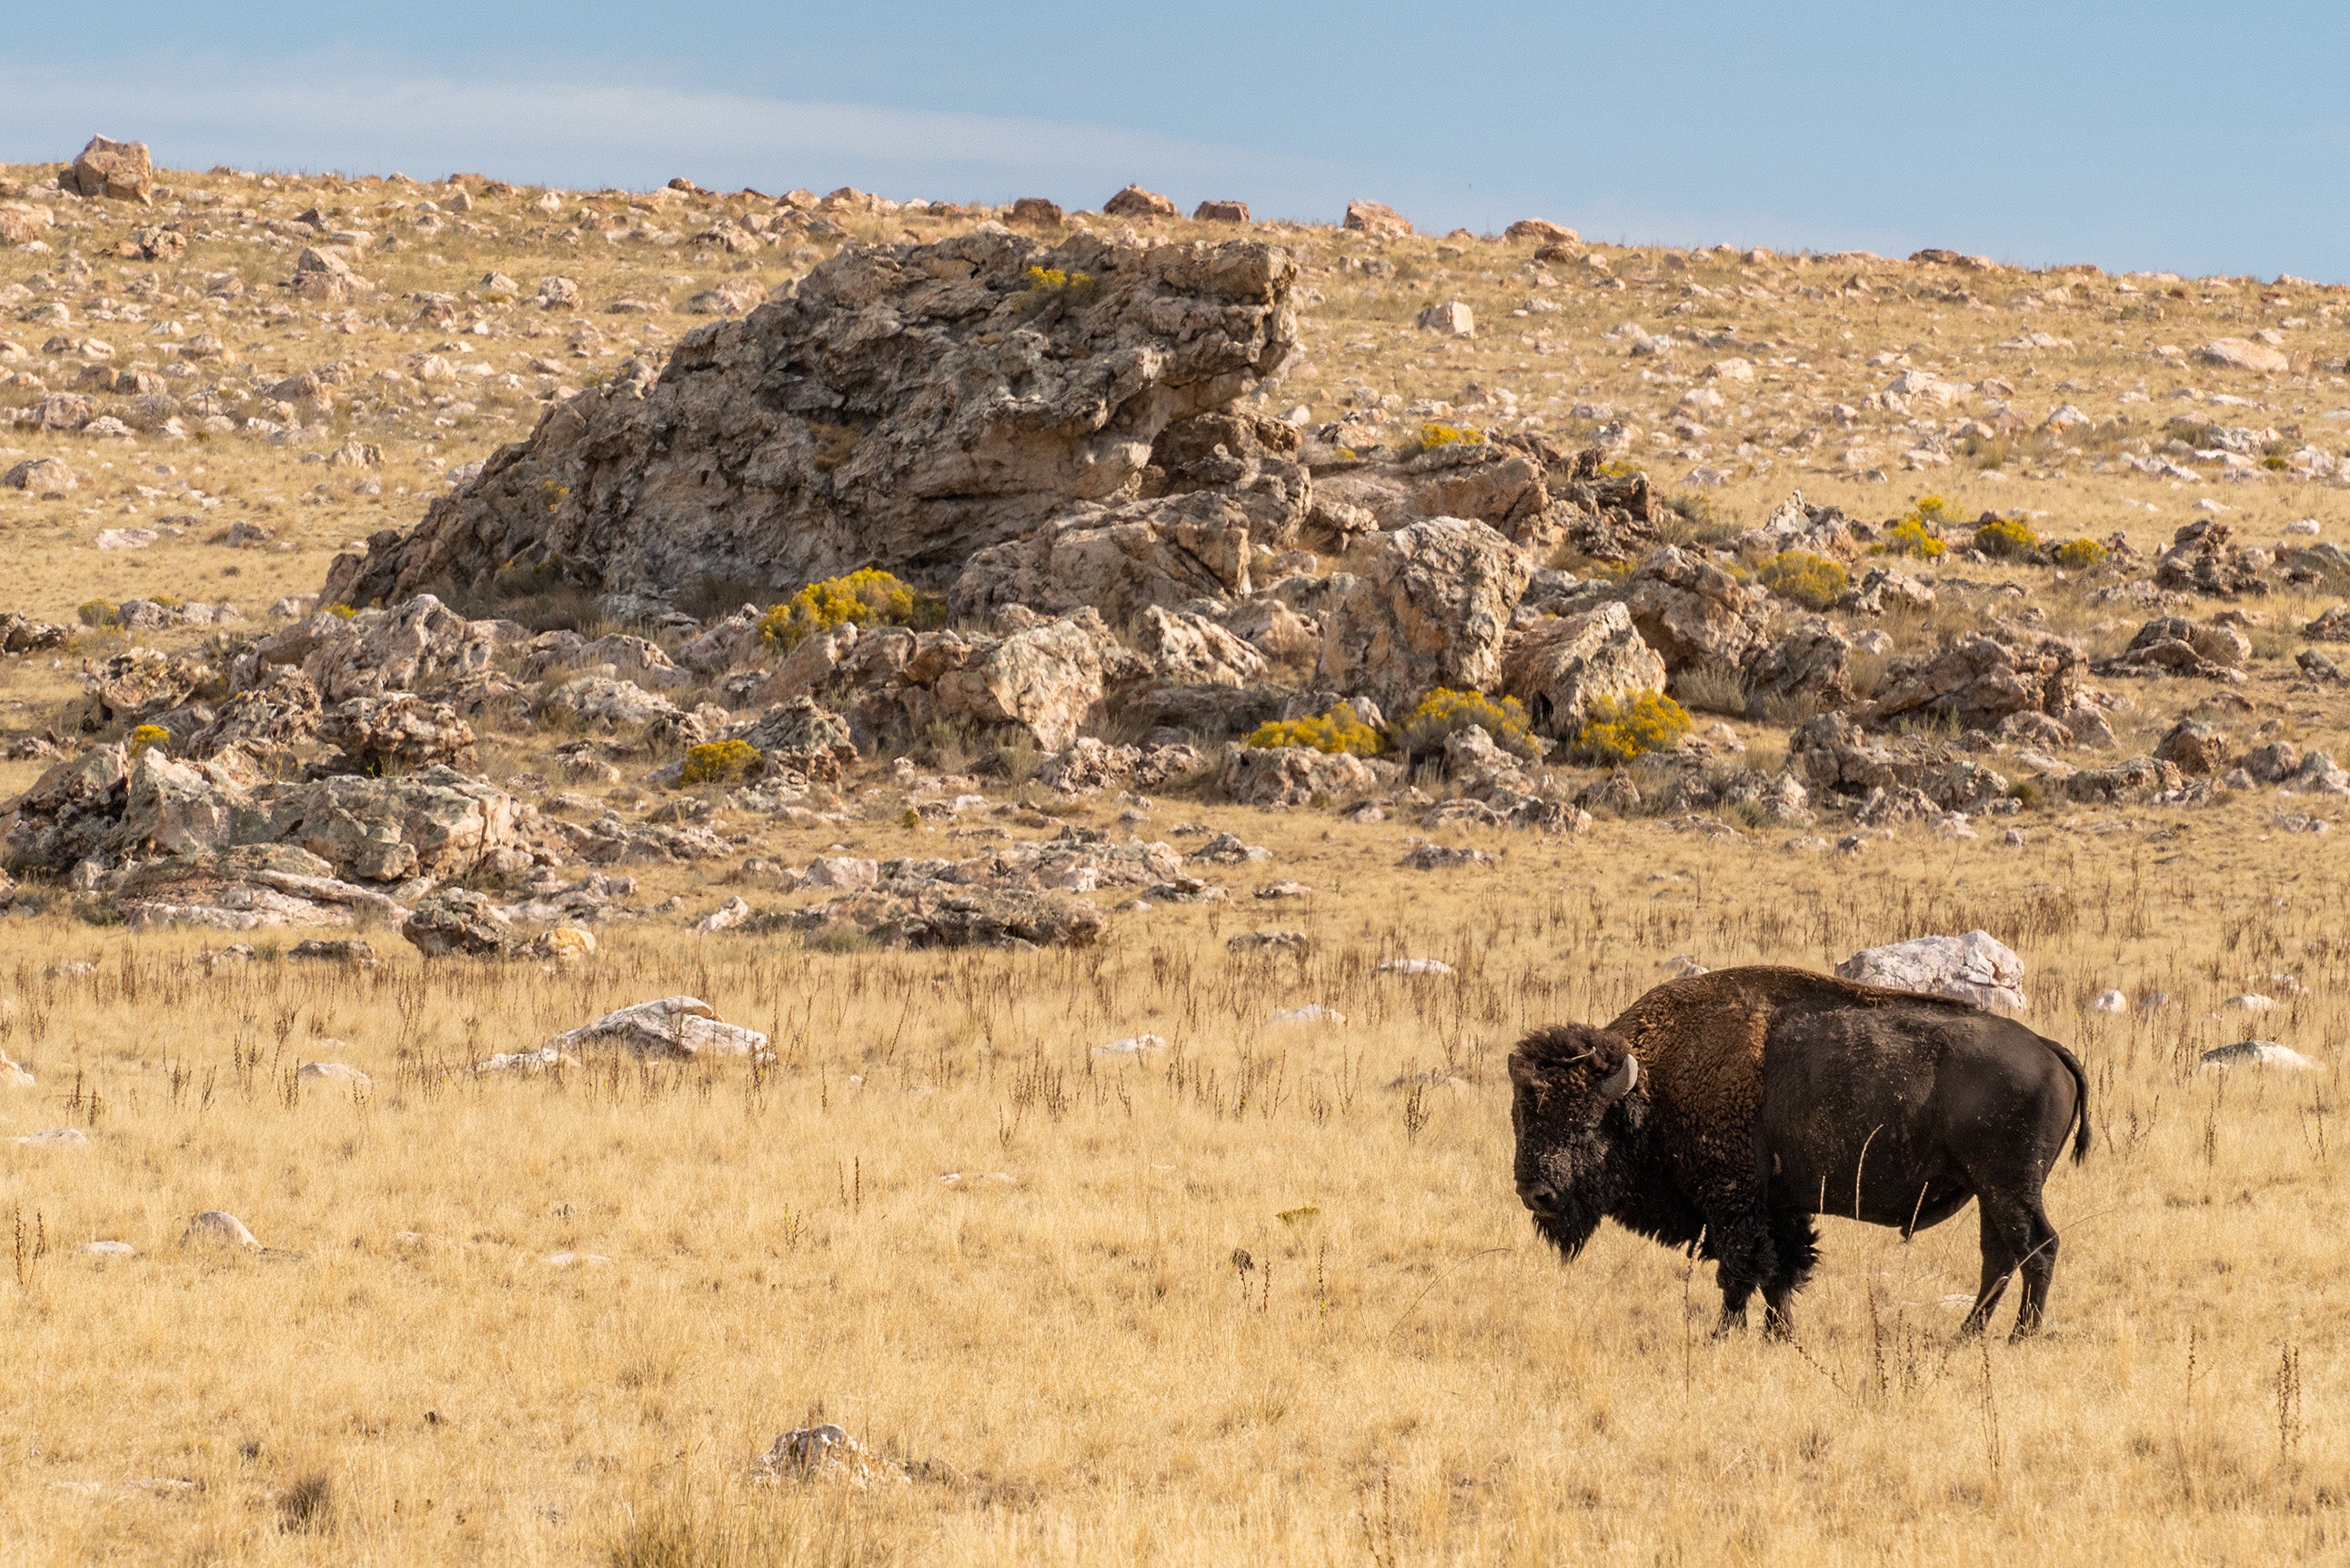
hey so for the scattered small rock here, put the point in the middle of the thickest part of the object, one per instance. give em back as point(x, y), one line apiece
point(725, 917)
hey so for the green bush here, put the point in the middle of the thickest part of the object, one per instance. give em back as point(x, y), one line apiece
point(719, 762)
point(2080, 554)
point(99, 612)
point(1445, 712)
point(1340, 732)
point(1911, 536)
point(1813, 581)
point(1619, 732)
point(863, 597)
point(2006, 539)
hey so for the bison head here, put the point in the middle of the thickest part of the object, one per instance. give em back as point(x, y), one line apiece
point(1576, 1099)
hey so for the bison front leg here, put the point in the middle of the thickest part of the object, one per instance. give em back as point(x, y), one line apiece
point(1795, 1247)
point(1748, 1261)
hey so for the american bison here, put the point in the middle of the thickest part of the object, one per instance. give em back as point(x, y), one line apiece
point(1724, 1111)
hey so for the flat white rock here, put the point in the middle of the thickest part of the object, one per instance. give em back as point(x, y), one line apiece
point(218, 1225)
point(670, 1026)
point(1133, 1044)
point(538, 1060)
point(2256, 1054)
point(1414, 966)
point(108, 1249)
point(66, 1135)
point(336, 1072)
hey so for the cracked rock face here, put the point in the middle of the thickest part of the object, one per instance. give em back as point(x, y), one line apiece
point(1560, 665)
point(1431, 610)
point(910, 405)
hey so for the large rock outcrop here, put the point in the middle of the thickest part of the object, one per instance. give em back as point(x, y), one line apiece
point(909, 405)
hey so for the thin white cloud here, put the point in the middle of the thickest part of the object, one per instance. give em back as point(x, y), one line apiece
point(338, 115)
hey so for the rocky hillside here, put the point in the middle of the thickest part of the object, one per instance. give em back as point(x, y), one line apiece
point(692, 517)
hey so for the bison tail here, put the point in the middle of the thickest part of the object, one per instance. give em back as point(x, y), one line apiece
point(2081, 1088)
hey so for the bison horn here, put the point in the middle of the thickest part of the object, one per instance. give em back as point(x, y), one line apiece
point(1620, 1082)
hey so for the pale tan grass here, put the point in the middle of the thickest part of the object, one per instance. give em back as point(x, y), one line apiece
point(1073, 1359)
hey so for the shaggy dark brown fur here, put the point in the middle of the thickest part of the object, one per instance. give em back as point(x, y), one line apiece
point(1767, 1096)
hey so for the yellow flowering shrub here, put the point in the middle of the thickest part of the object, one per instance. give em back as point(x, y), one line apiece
point(1813, 581)
point(2080, 554)
point(1911, 536)
point(2006, 539)
point(1340, 732)
point(719, 762)
point(1053, 280)
point(865, 598)
point(1617, 732)
point(1432, 436)
point(1444, 712)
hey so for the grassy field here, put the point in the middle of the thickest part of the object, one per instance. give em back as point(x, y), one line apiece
point(1064, 1345)
point(1262, 1292)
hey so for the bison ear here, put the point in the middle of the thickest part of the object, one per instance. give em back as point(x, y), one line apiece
point(1522, 1072)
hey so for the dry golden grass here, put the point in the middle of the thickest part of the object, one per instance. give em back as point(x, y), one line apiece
point(1072, 1360)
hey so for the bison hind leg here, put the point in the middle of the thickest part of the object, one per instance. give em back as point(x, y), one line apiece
point(2039, 1266)
point(1796, 1248)
point(2004, 1237)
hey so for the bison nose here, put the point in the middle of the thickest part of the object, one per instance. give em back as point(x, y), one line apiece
point(1537, 1196)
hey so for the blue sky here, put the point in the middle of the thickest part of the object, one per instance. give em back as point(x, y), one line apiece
point(2158, 135)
